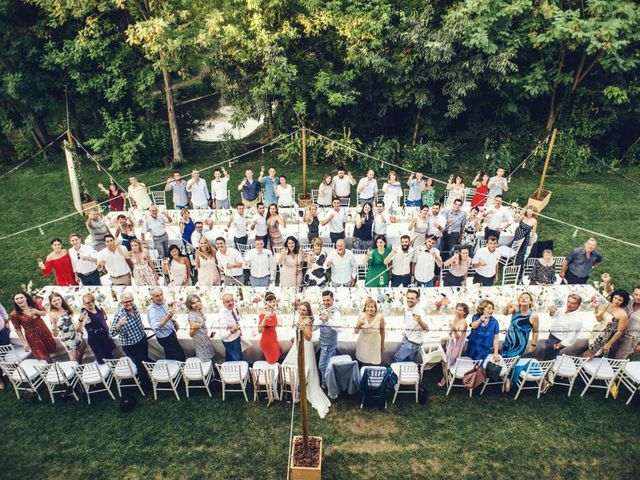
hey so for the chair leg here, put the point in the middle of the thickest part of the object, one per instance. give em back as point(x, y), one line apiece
point(450, 386)
point(118, 387)
point(486, 382)
point(244, 391)
point(186, 387)
point(109, 391)
point(633, 392)
point(139, 386)
point(519, 389)
point(53, 399)
point(174, 387)
point(587, 387)
point(223, 390)
point(573, 380)
point(396, 393)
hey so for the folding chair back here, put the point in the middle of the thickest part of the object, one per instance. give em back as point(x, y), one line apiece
point(59, 377)
point(194, 370)
point(507, 365)
point(289, 381)
point(408, 373)
point(557, 263)
point(92, 374)
point(24, 376)
point(345, 202)
point(234, 373)
point(263, 379)
point(164, 371)
point(8, 353)
point(535, 372)
point(568, 368)
point(159, 198)
point(123, 369)
point(511, 259)
point(373, 384)
point(511, 275)
point(630, 378)
point(605, 370)
point(457, 372)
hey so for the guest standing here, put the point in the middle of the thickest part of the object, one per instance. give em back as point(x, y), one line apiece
point(138, 194)
point(267, 325)
point(612, 322)
point(162, 319)
point(486, 261)
point(114, 259)
point(428, 193)
point(60, 263)
point(177, 267)
point(238, 221)
point(498, 184)
point(127, 326)
point(335, 220)
point(230, 333)
point(325, 192)
point(543, 271)
point(392, 189)
point(94, 320)
point(416, 184)
point(419, 225)
point(230, 262)
point(208, 273)
point(198, 329)
point(84, 261)
point(377, 261)
point(577, 266)
point(178, 186)
point(482, 190)
point(485, 333)
point(116, 197)
point(291, 262)
point(344, 269)
point(329, 319)
point(316, 259)
point(144, 270)
point(363, 230)
point(63, 326)
point(313, 222)
point(524, 322)
point(454, 343)
point(459, 265)
point(250, 189)
point(156, 226)
point(415, 324)
point(274, 222)
point(565, 327)
point(26, 318)
point(370, 331)
point(199, 191)
point(527, 224)
point(125, 231)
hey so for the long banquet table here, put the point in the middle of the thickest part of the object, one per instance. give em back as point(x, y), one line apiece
point(437, 302)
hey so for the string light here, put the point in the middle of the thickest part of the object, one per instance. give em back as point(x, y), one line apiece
point(41, 231)
point(575, 233)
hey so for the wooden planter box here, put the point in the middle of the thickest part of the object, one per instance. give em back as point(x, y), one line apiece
point(305, 473)
point(540, 203)
point(87, 206)
point(304, 200)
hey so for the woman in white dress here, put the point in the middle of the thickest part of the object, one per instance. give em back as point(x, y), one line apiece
point(178, 268)
point(208, 273)
point(315, 394)
point(284, 192)
point(392, 191)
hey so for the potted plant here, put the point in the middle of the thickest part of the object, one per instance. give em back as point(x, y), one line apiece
point(306, 452)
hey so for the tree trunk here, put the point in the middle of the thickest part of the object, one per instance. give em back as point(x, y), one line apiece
point(171, 113)
point(6, 149)
point(416, 128)
point(270, 120)
point(77, 127)
point(39, 129)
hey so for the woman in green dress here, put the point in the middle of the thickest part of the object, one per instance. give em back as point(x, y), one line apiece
point(377, 260)
point(429, 193)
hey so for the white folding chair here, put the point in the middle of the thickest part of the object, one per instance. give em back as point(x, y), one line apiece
point(432, 354)
point(359, 251)
point(164, 371)
point(630, 378)
point(264, 377)
point(345, 202)
point(602, 369)
point(278, 250)
point(195, 370)
point(24, 376)
point(481, 243)
point(557, 264)
point(408, 374)
point(535, 372)
point(159, 198)
point(462, 366)
point(243, 249)
point(469, 193)
point(567, 367)
point(59, 377)
point(314, 195)
point(507, 365)
point(123, 369)
point(289, 381)
point(234, 373)
point(10, 354)
point(528, 265)
point(510, 258)
point(511, 275)
point(94, 374)
point(375, 377)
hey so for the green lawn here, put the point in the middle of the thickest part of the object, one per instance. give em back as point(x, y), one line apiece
point(491, 436)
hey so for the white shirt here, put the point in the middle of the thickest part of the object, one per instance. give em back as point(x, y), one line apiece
point(434, 222)
point(155, 226)
point(219, 189)
point(412, 329)
point(232, 256)
point(380, 223)
point(341, 186)
point(343, 269)
point(285, 196)
point(261, 226)
point(199, 192)
point(239, 225)
point(483, 255)
point(226, 322)
point(140, 196)
point(261, 264)
point(336, 224)
point(115, 263)
point(424, 270)
point(402, 261)
point(83, 266)
point(498, 217)
point(196, 236)
point(496, 186)
point(566, 326)
point(369, 190)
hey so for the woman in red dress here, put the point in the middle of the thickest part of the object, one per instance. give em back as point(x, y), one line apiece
point(60, 262)
point(116, 197)
point(267, 324)
point(33, 332)
point(482, 189)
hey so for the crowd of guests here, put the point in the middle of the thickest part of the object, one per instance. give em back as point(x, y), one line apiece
point(616, 335)
point(440, 235)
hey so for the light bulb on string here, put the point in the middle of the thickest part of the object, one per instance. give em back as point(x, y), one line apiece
point(575, 233)
point(41, 231)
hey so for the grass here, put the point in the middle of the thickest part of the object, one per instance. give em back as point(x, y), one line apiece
point(489, 436)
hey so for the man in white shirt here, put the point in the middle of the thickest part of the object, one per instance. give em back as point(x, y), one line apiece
point(342, 184)
point(335, 219)
point(231, 263)
point(138, 193)
point(260, 224)
point(199, 192)
point(425, 259)
point(415, 323)
point(112, 260)
point(198, 233)
point(565, 327)
point(486, 262)
point(436, 223)
point(230, 332)
point(497, 185)
point(219, 189)
point(344, 268)
point(380, 220)
point(261, 264)
point(155, 226)
point(240, 236)
point(402, 256)
point(84, 260)
point(367, 188)
point(497, 218)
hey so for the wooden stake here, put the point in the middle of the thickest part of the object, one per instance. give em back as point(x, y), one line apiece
point(304, 162)
point(302, 385)
point(546, 165)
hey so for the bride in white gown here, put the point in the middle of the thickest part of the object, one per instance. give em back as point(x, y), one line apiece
point(315, 394)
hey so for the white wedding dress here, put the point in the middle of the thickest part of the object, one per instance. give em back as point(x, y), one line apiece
point(315, 394)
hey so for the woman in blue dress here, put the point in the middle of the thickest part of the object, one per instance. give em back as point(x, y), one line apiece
point(485, 333)
point(523, 322)
point(187, 227)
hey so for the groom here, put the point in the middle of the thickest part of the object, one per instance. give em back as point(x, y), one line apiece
point(329, 318)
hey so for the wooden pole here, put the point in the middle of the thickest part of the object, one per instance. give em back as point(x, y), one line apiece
point(302, 386)
point(546, 165)
point(304, 162)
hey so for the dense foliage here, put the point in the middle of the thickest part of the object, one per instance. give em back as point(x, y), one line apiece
point(427, 82)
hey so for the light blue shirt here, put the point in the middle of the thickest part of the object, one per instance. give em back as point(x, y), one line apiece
point(328, 335)
point(155, 314)
point(415, 190)
point(269, 192)
point(180, 195)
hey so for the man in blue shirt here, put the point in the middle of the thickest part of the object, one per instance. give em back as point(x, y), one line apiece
point(329, 318)
point(250, 189)
point(577, 266)
point(269, 185)
point(179, 189)
point(162, 319)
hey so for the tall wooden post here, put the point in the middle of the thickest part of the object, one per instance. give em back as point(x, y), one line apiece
point(304, 161)
point(546, 164)
point(302, 385)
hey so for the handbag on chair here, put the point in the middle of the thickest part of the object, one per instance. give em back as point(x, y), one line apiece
point(474, 377)
point(493, 371)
